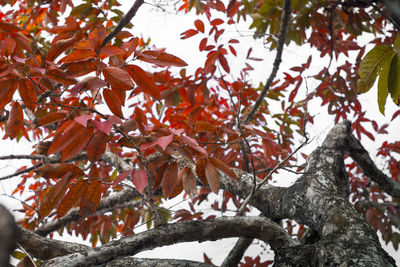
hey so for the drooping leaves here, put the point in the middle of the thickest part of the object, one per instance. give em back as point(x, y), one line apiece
point(113, 102)
point(143, 80)
point(70, 199)
point(97, 146)
point(15, 120)
point(139, 179)
point(223, 167)
point(58, 170)
point(118, 78)
point(188, 181)
point(212, 176)
point(170, 179)
point(90, 199)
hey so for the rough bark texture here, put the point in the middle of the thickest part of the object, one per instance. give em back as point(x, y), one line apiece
point(318, 199)
point(8, 235)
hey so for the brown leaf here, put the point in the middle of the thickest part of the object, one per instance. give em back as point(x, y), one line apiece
point(77, 144)
point(15, 119)
point(70, 199)
point(90, 198)
point(169, 179)
point(188, 181)
point(118, 78)
point(223, 167)
point(65, 137)
point(201, 171)
point(78, 69)
point(27, 93)
point(50, 119)
point(212, 177)
point(58, 170)
point(113, 102)
point(97, 146)
point(143, 80)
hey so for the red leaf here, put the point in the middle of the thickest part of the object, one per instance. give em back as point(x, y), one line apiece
point(188, 181)
point(7, 90)
point(164, 141)
point(82, 120)
point(143, 80)
point(60, 46)
point(121, 177)
point(169, 179)
point(139, 179)
point(118, 78)
point(201, 171)
point(188, 33)
point(78, 55)
point(27, 93)
point(203, 44)
point(199, 25)
point(58, 75)
point(160, 58)
point(216, 22)
point(97, 146)
point(193, 143)
point(91, 198)
point(77, 144)
point(58, 170)
point(15, 120)
point(50, 119)
point(113, 102)
point(70, 199)
point(223, 167)
point(224, 63)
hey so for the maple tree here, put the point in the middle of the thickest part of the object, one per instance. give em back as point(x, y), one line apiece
point(119, 126)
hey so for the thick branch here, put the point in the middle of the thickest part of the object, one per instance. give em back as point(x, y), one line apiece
point(261, 228)
point(236, 254)
point(144, 262)
point(278, 58)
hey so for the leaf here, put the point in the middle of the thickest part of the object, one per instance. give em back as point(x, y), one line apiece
point(203, 126)
point(188, 181)
point(53, 196)
point(170, 179)
point(371, 65)
point(77, 144)
point(139, 179)
point(224, 63)
point(143, 80)
point(27, 93)
point(160, 58)
point(223, 167)
point(83, 120)
point(188, 33)
point(212, 177)
point(70, 199)
point(50, 119)
point(15, 120)
point(58, 170)
point(78, 55)
point(7, 90)
point(394, 79)
point(78, 69)
point(199, 25)
point(193, 143)
point(90, 199)
point(121, 177)
point(97, 146)
point(109, 51)
point(113, 102)
point(383, 84)
point(201, 171)
point(63, 139)
point(60, 76)
point(9, 27)
point(58, 47)
point(118, 78)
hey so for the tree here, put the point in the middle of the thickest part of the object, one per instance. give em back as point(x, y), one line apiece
point(118, 126)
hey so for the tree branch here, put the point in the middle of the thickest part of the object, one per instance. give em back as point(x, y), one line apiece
point(237, 252)
point(278, 58)
point(122, 23)
point(255, 227)
point(144, 262)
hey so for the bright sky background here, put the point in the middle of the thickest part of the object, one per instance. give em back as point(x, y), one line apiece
point(164, 30)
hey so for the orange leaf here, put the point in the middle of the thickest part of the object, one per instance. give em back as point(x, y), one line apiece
point(203, 126)
point(80, 68)
point(63, 139)
point(143, 80)
point(77, 144)
point(53, 196)
point(212, 177)
point(199, 25)
point(118, 78)
point(160, 58)
point(15, 119)
point(201, 171)
point(50, 119)
point(109, 51)
point(113, 102)
point(58, 75)
point(27, 93)
point(223, 167)
point(7, 90)
point(58, 170)
point(91, 198)
point(169, 179)
point(97, 146)
point(188, 33)
point(78, 55)
point(70, 199)
point(188, 181)
point(60, 46)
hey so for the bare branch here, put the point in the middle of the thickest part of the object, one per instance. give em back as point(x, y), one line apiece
point(278, 58)
point(236, 254)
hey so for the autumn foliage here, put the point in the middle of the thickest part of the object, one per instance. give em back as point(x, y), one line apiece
point(75, 98)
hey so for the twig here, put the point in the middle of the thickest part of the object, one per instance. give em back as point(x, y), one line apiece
point(122, 23)
point(278, 59)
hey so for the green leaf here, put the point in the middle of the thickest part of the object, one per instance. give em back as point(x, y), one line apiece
point(394, 79)
point(371, 65)
point(383, 84)
point(396, 45)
